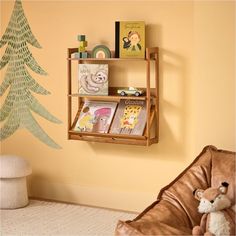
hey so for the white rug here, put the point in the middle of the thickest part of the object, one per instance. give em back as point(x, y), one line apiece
point(49, 218)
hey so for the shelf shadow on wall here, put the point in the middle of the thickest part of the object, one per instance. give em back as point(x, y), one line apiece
point(173, 104)
point(153, 35)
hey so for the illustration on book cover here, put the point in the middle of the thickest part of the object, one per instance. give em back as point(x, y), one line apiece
point(93, 79)
point(130, 118)
point(130, 39)
point(95, 117)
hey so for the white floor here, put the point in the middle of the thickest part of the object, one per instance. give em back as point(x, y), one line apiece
point(50, 218)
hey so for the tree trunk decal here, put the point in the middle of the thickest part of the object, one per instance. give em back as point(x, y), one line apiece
point(16, 111)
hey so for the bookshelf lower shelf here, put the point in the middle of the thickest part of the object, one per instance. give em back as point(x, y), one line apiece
point(126, 136)
point(112, 138)
point(140, 140)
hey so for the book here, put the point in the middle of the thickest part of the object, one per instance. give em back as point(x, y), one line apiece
point(95, 116)
point(130, 117)
point(93, 79)
point(130, 39)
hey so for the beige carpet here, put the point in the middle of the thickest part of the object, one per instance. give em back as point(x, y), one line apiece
point(50, 218)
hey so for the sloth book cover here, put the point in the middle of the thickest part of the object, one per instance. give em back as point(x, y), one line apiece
point(93, 79)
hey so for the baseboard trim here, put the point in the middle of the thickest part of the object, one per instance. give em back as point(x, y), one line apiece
point(133, 202)
point(79, 204)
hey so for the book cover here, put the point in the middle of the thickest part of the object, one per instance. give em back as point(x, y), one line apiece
point(130, 39)
point(93, 79)
point(95, 117)
point(130, 117)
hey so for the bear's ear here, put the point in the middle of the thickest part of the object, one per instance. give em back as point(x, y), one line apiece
point(223, 188)
point(198, 193)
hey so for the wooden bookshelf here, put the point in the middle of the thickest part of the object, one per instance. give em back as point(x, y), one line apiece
point(150, 96)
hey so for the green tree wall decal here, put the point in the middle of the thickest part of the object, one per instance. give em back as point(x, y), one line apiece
point(16, 111)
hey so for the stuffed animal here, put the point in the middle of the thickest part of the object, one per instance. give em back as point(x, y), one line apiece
point(218, 218)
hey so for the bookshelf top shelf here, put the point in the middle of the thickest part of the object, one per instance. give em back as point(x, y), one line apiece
point(106, 59)
point(149, 53)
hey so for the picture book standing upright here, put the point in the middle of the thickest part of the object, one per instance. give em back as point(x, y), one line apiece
point(130, 118)
point(130, 39)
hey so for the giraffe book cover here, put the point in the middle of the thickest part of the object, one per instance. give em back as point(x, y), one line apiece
point(130, 118)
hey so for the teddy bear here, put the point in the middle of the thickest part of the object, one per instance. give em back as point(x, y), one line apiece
point(218, 218)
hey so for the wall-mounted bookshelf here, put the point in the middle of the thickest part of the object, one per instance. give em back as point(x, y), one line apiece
point(150, 97)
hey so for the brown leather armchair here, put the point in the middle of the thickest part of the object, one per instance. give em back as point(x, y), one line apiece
point(175, 210)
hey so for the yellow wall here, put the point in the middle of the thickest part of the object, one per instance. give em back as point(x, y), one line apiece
point(197, 97)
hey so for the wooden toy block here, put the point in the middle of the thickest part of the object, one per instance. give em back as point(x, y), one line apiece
point(83, 43)
point(81, 37)
point(75, 55)
point(81, 49)
point(83, 54)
